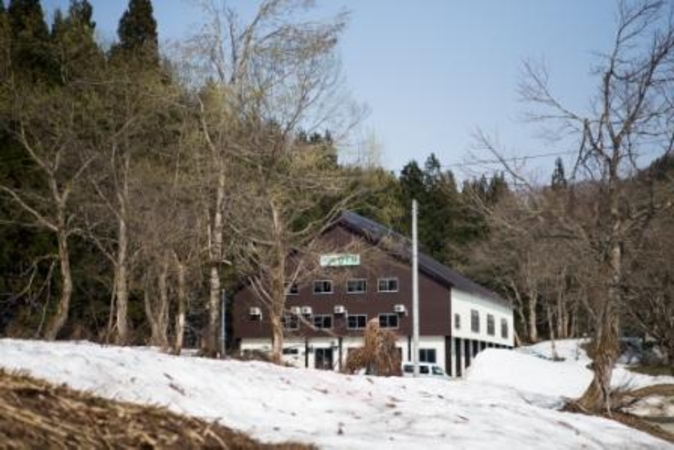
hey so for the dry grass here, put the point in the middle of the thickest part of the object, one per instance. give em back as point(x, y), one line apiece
point(36, 414)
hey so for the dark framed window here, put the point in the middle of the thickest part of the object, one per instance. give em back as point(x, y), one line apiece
point(356, 322)
point(457, 321)
point(491, 326)
point(292, 289)
point(356, 286)
point(323, 287)
point(387, 285)
point(427, 355)
point(291, 351)
point(388, 320)
point(323, 322)
point(504, 328)
point(474, 321)
point(290, 322)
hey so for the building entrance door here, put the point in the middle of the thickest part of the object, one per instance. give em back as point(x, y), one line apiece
point(324, 358)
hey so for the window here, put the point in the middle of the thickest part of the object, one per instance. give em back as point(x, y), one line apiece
point(504, 328)
point(290, 322)
point(356, 286)
point(291, 351)
point(356, 322)
point(457, 321)
point(438, 371)
point(474, 321)
point(292, 289)
point(323, 322)
point(490, 325)
point(388, 320)
point(387, 285)
point(427, 355)
point(323, 287)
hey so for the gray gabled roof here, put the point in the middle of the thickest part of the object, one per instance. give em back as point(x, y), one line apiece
point(401, 246)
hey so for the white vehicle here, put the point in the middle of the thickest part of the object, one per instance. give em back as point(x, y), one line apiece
point(425, 370)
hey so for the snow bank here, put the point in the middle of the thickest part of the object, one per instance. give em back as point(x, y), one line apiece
point(331, 410)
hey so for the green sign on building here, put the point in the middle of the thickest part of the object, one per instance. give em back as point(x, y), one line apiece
point(339, 260)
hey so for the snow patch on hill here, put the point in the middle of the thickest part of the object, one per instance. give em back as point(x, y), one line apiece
point(336, 411)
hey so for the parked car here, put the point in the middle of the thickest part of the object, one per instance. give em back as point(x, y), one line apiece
point(425, 370)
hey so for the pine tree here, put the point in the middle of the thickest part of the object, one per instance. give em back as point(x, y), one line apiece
point(558, 176)
point(74, 38)
point(137, 32)
point(30, 45)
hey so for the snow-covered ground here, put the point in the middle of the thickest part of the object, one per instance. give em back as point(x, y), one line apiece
point(507, 400)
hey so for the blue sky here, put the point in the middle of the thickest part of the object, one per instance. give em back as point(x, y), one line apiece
point(432, 71)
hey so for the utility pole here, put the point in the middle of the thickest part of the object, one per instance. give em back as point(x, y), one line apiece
point(415, 292)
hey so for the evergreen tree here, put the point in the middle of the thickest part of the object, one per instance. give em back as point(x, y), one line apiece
point(558, 176)
point(31, 55)
point(137, 32)
point(73, 37)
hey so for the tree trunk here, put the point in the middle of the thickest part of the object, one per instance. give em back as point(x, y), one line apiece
point(61, 316)
point(519, 308)
point(210, 344)
point(278, 288)
point(533, 319)
point(163, 313)
point(121, 282)
point(276, 339)
point(597, 397)
point(182, 306)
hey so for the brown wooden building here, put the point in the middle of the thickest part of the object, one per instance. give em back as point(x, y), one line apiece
point(328, 311)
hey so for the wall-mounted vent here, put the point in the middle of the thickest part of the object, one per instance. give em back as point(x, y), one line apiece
point(306, 310)
point(296, 310)
point(255, 312)
point(339, 309)
point(400, 309)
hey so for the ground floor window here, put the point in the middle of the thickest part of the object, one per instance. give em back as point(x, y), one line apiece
point(323, 357)
point(427, 355)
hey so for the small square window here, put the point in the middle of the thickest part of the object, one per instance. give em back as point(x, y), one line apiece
point(323, 322)
point(323, 287)
point(356, 286)
point(356, 322)
point(388, 320)
point(387, 285)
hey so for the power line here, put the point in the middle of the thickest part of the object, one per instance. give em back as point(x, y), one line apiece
point(511, 159)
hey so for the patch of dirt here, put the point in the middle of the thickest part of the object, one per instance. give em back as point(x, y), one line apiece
point(36, 414)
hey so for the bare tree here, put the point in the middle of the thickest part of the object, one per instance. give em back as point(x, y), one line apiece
point(631, 114)
point(47, 122)
point(276, 68)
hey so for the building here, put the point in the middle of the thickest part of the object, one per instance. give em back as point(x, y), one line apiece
point(327, 313)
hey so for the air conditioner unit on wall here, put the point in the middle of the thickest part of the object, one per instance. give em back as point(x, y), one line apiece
point(306, 310)
point(400, 309)
point(339, 309)
point(255, 311)
point(296, 310)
